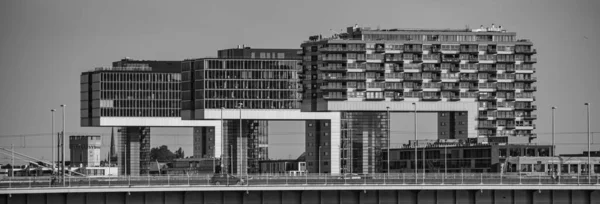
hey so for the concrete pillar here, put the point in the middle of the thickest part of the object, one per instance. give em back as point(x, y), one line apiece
point(232, 197)
point(503, 196)
point(273, 197)
point(426, 196)
point(561, 196)
point(291, 197)
point(176, 197)
point(349, 197)
point(465, 196)
point(330, 197)
point(154, 197)
point(36, 198)
point(95, 198)
point(407, 197)
point(309, 197)
point(368, 197)
point(445, 197)
point(522, 197)
point(252, 197)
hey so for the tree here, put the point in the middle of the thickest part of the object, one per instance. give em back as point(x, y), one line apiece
point(179, 154)
point(161, 154)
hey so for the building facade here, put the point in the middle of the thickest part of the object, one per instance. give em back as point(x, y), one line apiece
point(365, 72)
point(128, 90)
point(460, 157)
point(85, 150)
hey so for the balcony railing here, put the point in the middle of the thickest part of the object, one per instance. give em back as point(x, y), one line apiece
point(333, 87)
point(432, 69)
point(531, 107)
point(530, 60)
point(334, 97)
point(531, 79)
point(526, 51)
point(375, 68)
point(412, 78)
point(332, 68)
point(469, 78)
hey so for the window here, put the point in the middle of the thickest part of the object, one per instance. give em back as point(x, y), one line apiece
point(326, 163)
point(443, 133)
point(443, 123)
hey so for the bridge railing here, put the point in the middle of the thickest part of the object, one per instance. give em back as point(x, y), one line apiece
point(306, 179)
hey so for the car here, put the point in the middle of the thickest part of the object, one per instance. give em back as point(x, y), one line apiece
point(225, 179)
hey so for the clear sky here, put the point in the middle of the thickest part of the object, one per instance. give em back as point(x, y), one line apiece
point(45, 45)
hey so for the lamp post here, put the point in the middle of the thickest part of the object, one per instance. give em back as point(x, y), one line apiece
point(587, 105)
point(63, 144)
point(319, 159)
point(222, 141)
point(52, 136)
point(241, 149)
point(416, 143)
point(388, 140)
point(553, 145)
point(231, 158)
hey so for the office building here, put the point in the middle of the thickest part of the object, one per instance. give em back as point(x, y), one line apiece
point(85, 150)
point(116, 96)
point(482, 79)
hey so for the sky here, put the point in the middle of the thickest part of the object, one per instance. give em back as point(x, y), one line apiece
point(45, 45)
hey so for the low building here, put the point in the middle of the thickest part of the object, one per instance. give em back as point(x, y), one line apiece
point(85, 150)
point(562, 165)
point(459, 157)
point(99, 171)
point(282, 166)
point(194, 166)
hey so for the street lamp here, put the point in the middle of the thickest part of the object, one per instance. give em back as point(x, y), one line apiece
point(63, 144)
point(240, 142)
point(389, 140)
point(52, 138)
point(587, 105)
point(319, 159)
point(416, 143)
point(553, 145)
point(222, 141)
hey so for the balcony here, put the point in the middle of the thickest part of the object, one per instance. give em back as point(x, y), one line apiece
point(525, 68)
point(334, 78)
point(454, 98)
point(334, 88)
point(436, 78)
point(509, 69)
point(530, 60)
point(487, 98)
point(334, 97)
point(529, 108)
point(375, 68)
point(412, 78)
point(393, 88)
point(394, 59)
point(417, 59)
point(431, 69)
point(413, 50)
point(451, 60)
point(334, 59)
point(526, 51)
point(486, 126)
point(380, 78)
point(529, 117)
point(504, 88)
point(530, 88)
point(531, 79)
point(469, 79)
point(487, 69)
point(431, 98)
point(510, 126)
point(469, 51)
point(491, 51)
point(450, 88)
point(501, 60)
point(398, 69)
point(333, 69)
point(398, 97)
point(412, 68)
point(488, 107)
point(379, 49)
point(504, 116)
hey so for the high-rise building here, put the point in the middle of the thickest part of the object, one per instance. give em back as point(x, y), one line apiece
point(85, 150)
point(479, 81)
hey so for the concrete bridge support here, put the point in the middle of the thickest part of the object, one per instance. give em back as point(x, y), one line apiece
point(313, 197)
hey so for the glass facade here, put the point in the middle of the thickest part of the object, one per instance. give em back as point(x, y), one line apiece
point(364, 135)
point(257, 84)
point(251, 147)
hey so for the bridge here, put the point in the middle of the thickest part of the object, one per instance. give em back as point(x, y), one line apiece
point(373, 188)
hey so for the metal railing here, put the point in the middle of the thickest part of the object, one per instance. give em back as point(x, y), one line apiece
point(382, 179)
